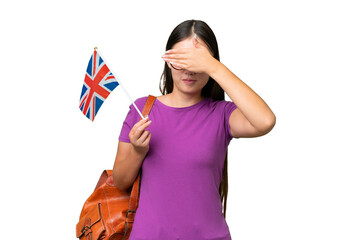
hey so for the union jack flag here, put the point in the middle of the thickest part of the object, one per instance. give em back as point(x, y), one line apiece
point(98, 84)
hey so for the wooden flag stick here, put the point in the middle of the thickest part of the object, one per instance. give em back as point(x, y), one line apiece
point(120, 83)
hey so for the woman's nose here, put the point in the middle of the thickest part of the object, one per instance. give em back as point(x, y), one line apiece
point(189, 73)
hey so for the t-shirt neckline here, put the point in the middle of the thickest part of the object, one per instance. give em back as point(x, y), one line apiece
point(181, 108)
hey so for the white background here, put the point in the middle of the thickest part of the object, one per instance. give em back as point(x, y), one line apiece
point(301, 181)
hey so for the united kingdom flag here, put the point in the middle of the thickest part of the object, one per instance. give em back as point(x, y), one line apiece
point(98, 84)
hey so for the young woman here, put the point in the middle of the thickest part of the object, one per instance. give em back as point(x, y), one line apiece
point(182, 145)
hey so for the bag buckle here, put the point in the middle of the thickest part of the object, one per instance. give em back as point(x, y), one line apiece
point(86, 230)
point(131, 211)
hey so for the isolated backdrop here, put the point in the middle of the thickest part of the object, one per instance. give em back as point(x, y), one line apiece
point(301, 181)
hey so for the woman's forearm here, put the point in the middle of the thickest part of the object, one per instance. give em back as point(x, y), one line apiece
point(126, 168)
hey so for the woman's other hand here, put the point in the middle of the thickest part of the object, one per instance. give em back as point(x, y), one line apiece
point(195, 57)
point(139, 137)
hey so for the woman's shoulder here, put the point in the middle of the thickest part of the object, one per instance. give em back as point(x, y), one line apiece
point(222, 106)
point(141, 99)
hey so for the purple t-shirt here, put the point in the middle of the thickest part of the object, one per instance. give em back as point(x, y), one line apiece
point(181, 174)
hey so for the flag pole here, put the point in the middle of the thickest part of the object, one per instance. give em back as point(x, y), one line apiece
point(120, 83)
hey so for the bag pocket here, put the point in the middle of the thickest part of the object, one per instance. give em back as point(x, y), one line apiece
point(91, 224)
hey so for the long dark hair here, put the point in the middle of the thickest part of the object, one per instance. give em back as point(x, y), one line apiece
point(212, 89)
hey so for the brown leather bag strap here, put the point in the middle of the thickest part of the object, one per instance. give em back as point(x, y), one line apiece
point(148, 105)
point(135, 192)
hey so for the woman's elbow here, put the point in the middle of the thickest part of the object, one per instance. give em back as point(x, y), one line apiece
point(115, 178)
point(269, 124)
point(117, 181)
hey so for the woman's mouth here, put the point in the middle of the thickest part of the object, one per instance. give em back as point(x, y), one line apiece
point(189, 81)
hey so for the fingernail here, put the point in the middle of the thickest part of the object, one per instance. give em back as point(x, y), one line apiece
point(195, 36)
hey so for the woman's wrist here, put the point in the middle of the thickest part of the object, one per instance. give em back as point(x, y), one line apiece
point(139, 153)
point(214, 67)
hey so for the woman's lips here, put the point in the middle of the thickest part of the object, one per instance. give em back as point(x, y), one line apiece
point(189, 81)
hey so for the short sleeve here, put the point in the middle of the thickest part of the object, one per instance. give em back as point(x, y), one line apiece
point(229, 107)
point(130, 120)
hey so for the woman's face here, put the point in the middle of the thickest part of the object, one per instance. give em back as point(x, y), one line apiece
point(186, 81)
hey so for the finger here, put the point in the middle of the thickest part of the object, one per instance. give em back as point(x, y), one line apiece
point(142, 128)
point(143, 136)
point(175, 56)
point(142, 121)
point(178, 56)
point(147, 140)
point(176, 51)
point(178, 64)
point(135, 127)
point(195, 40)
point(138, 130)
